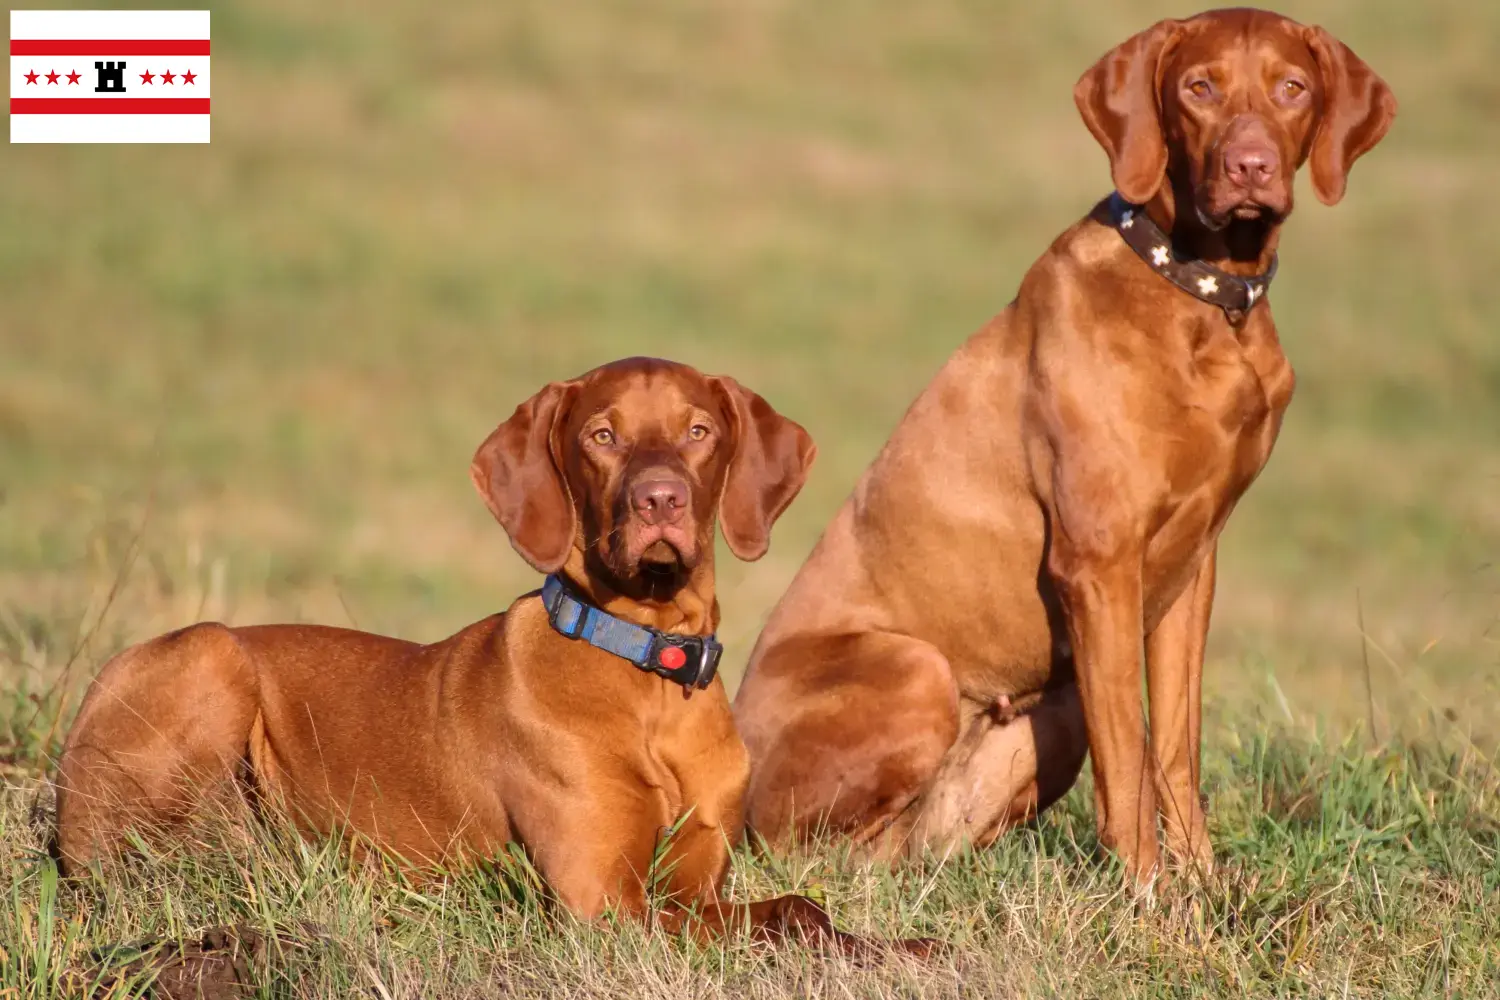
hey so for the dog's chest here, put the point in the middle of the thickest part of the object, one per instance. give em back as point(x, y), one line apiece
point(1222, 412)
point(691, 754)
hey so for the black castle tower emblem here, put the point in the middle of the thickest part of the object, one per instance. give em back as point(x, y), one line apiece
point(111, 77)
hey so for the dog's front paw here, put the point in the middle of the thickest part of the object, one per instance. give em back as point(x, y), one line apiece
point(807, 921)
point(804, 919)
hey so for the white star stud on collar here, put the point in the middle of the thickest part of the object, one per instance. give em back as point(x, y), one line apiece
point(1208, 284)
point(1255, 291)
point(1160, 255)
point(1127, 220)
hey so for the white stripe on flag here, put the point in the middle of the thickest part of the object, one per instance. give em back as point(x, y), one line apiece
point(109, 128)
point(157, 24)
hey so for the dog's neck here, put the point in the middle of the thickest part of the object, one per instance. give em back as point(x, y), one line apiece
point(1244, 247)
point(681, 601)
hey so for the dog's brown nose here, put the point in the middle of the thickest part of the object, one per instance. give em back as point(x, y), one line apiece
point(660, 501)
point(1251, 164)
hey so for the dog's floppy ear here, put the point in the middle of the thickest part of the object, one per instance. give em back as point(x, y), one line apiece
point(516, 472)
point(768, 464)
point(1358, 109)
point(1119, 98)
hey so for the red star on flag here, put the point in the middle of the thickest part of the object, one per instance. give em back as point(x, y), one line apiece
point(52, 77)
point(31, 77)
point(189, 77)
point(73, 77)
point(147, 77)
point(167, 77)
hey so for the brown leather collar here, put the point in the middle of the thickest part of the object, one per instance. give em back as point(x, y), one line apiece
point(1235, 295)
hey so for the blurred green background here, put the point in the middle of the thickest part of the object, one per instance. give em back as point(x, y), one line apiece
point(244, 380)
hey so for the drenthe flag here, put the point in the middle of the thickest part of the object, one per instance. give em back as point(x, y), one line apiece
point(109, 76)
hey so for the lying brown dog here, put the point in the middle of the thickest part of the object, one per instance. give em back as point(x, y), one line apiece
point(1049, 507)
point(581, 749)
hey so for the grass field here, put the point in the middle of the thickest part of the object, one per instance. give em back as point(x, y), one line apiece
point(243, 381)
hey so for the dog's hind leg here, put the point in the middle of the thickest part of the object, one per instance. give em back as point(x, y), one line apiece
point(825, 766)
point(1002, 772)
point(162, 730)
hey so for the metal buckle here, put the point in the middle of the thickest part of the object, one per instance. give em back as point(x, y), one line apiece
point(708, 664)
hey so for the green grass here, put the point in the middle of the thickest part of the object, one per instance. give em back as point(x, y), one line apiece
point(244, 381)
point(1346, 871)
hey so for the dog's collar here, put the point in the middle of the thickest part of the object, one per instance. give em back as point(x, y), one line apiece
point(689, 660)
point(1233, 294)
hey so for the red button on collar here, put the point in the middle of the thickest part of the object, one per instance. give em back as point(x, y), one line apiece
point(672, 657)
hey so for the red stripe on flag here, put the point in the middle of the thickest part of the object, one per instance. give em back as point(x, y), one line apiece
point(104, 47)
point(109, 105)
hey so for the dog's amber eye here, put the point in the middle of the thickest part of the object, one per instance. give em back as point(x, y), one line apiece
point(1293, 89)
point(1201, 89)
point(603, 436)
point(697, 432)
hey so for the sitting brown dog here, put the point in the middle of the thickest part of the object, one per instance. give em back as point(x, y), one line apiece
point(974, 618)
point(579, 724)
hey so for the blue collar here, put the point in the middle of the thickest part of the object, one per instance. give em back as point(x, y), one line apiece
point(689, 660)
